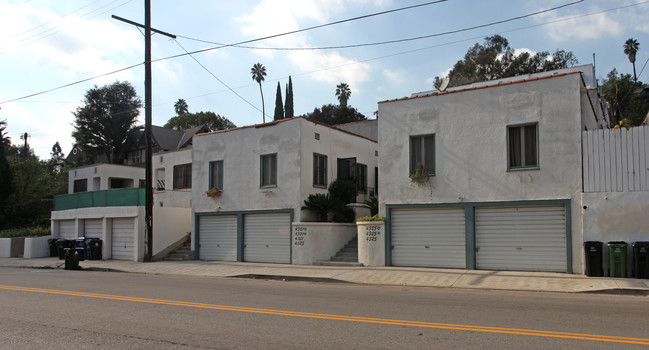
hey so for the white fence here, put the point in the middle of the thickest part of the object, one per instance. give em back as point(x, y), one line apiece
point(616, 160)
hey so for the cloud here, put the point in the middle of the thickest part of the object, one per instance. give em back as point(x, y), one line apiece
point(273, 17)
point(68, 44)
point(393, 77)
point(589, 27)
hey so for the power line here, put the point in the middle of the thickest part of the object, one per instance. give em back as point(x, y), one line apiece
point(215, 77)
point(287, 33)
point(396, 40)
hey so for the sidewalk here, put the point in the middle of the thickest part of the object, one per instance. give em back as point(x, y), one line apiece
point(395, 276)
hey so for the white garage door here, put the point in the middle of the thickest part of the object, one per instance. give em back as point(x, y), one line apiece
point(428, 237)
point(67, 229)
point(93, 228)
point(525, 238)
point(123, 239)
point(217, 237)
point(267, 238)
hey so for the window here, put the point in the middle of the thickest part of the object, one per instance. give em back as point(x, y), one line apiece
point(346, 168)
point(80, 185)
point(523, 146)
point(183, 176)
point(319, 170)
point(422, 151)
point(268, 170)
point(361, 178)
point(216, 174)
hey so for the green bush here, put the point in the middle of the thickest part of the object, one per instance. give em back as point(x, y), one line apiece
point(26, 232)
point(371, 218)
point(344, 214)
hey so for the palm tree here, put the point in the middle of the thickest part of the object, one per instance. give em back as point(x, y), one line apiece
point(343, 92)
point(5, 140)
point(630, 48)
point(258, 73)
point(181, 107)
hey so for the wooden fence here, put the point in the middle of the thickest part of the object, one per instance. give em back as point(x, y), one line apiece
point(616, 160)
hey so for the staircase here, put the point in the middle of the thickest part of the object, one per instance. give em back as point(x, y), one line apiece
point(182, 253)
point(348, 256)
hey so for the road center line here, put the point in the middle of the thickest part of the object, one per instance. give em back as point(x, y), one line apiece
point(528, 332)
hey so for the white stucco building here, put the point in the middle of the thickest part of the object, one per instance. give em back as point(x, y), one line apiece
point(265, 173)
point(499, 173)
point(107, 201)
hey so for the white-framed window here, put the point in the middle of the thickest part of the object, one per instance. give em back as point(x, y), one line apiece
point(319, 170)
point(268, 172)
point(522, 147)
point(216, 174)
point(422, 153)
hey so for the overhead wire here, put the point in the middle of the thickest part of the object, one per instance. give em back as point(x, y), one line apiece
point(292, 32)
point(219, 80)
point(396, 40)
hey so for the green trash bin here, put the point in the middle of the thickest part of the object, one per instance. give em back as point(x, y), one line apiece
point(617, 259)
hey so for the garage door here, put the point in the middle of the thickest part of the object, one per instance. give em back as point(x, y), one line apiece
point(217, 237)
point(67, 229)
point(93, 228)
point(267, 238)
point(428, 237)
point(123, 239)
point(526, 238)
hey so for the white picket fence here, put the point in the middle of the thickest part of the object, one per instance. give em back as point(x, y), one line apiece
point(616, 160)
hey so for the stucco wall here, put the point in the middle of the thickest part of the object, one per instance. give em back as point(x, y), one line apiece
point(170, 225)
point(36, 247)
point(240, 150)
point(170, 197)
point(317, 241)
point(104, 172)
point(470, 130)
point(616, 216)
point(294, 143)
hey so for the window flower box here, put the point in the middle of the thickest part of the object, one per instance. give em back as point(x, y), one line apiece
point(214, 192)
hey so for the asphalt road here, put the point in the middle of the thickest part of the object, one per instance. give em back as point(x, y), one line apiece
point(50, 309)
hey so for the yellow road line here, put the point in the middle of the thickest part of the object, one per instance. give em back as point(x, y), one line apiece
point(529, 332)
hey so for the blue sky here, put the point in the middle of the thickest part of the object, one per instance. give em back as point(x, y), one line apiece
point(47, 44)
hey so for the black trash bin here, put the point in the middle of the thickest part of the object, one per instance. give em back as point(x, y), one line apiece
point(54, 249)
point(94, 249)
point(61, 244)
point(593, 254)
point(641, 260)
point(617, 259)
point(71, 258)
point(81, 247)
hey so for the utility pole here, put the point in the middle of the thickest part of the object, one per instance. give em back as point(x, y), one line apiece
point(148, 117)
point(24, 137)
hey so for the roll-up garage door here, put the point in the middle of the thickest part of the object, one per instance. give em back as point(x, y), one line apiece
point(93, 228)
point(67, 229)
point(524, 238)
point(428, 237)
point(267, 238)
point(217, 237)
point(123, 239)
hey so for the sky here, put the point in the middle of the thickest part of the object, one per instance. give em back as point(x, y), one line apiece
point(58, 50)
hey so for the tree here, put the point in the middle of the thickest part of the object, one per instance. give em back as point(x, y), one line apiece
point(181, 107)
point(627, 103)
point(107, 120)
point(56, 161)
point(279, 108)
point(258, 73)
point(343, 92)
point(495, 59)
point(191, 120)
point(185, 120)
point(631, 47)
point(332, 114)
point(6, 184)
point(288, 102)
